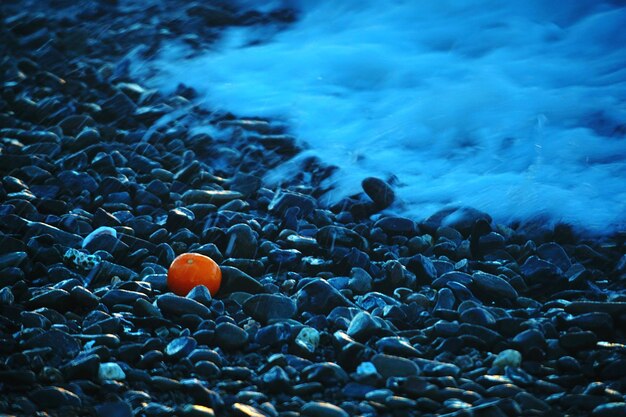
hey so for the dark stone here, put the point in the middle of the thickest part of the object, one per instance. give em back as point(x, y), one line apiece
point(397, 226)
point(174, 305)
point(114, 409)
point(423, 269)
point(287, 199)
point(230, 337)
point(576, 341)
point(54, 397)
point(84, 366)
point(331, 236)
point(319, 297)
point(492, 287)
point(235, 280)
point(266, 307)
point(241, 242)
point(379, 191)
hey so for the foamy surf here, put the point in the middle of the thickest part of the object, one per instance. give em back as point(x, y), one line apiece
point(517, 110)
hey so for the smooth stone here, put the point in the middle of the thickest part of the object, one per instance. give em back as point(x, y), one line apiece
point(394, 345)
point(284, 256)
point(576, 341)
point(235, 280)
point(536, 269)
point(397, 226)
point(285, 200)
point(360, 281)
point(492, 286)
point(508, 357)
point(54, 397)
point(61, 343)
point(615, 409)
point(319, 297)
point(230, 337)
point(83, 366)
point(110, 371)
point(322, 409)
point(180, 347)
point(116, 296)
point(611, 307)
point(445, 300)
point(266, 307)
point(171, 304)
point(201, 294)
point(394, 366)
point(54, 298)
point(423, 268)
point(331, 236)
point(308, 338)
point(478, 316)
point(555, 254)
point(210, 197)
point(379, 191)
point(13, 259)
point(363, 326)
point(114, 409)
point(241, 242)
point(273, 334)
point(102, 230)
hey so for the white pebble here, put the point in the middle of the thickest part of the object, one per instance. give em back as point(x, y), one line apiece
point(509, 357)
point(308, 338)
point(110, 371)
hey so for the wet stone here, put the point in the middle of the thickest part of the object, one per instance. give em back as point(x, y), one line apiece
point(114, 409)
point(319, 297)
point(575, 341)
point(230, 337)
point(180, 347)
point(266, 307)
point(397, 226)
point(379, 191)
point(235, 280)
point(174, 305)
point(615, 409)
point(322, 409)
point(492, 287)
point(54, 397)
point(283, 201)
point(363, 326)
point(394, 366)
point(241, 242)
point(331, 236)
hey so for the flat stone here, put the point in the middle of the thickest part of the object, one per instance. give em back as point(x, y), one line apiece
point(394, 366)
point(322, 409)
point(319, 297)
point(230, 337)
point(266, 307)
point(210, 197)
point(284, 200)
point(492, 286)
point(331, 236)
point(235, 280)
point(171, 304)
point(54, 397)
point(613, 308)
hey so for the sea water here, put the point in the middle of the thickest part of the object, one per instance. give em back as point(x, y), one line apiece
point(517, 108)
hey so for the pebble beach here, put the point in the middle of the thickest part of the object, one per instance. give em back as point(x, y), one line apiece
point(323, 311)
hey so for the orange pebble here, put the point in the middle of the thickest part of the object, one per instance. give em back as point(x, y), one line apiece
point(191, 269)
